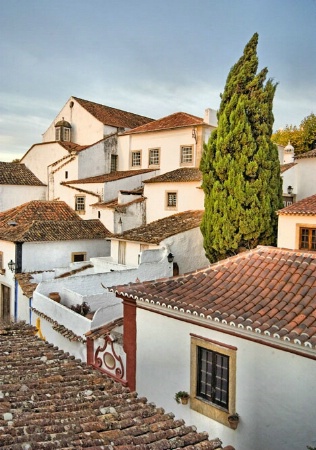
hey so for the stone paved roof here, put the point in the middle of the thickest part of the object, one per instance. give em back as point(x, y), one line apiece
point(183, 174)
point(112, 116)
point(176, 120)
point(157, 231)
point(47, 221)
point(17, 174)
point(50, 400)
point(267, 291)
point(306, 207)
point(107, 177)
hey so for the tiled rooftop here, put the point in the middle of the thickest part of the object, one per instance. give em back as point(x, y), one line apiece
point(176, 120)
point(285, 167)
point(50, 400)
point(108, 177)
point(155, 232)
point(310, 154)
point(183, 174)
point(17, 174)
point(116, 206)
point(306, 207)
point(112, 116)
point(267, 291)
point(47, 221)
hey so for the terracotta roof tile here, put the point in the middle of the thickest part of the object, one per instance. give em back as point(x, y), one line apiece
point(281, 299)
point(17, 174)
point(306, 207)
point(112, 116)
point(49, 399)
point(179, 175)
point(48, 221)
point(310, 154)
point(176, 120)
point(285, 167)
point(108, 177)
point(155, 232)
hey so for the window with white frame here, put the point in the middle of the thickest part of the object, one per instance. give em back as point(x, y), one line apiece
point(136, 158)
point(186, 154)
point(80, 202)
point(172, 200)
point(154, 157)
point(213, 378)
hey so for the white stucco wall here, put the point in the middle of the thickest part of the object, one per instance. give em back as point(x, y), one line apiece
point(275, 395)
point(48, 255)
point(189, 196)
point(187, 243)
point(15, 195)
point(92, 161)
point(288, 229)
point(169, 142)
point(85, 129)
point(40, 156)
point(112, 188)
point(289, 178)
point(306, 168)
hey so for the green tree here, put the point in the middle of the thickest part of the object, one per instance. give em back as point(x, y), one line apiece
point(240, 164)
point(303, 138)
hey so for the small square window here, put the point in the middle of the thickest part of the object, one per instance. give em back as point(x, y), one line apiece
point(172, 200)
point(186, 154)
point(154, 157)
point(136, 159)
point(78, 257)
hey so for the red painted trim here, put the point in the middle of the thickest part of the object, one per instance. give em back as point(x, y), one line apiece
point(129, 340)
point(231, 332)
point(90, 351)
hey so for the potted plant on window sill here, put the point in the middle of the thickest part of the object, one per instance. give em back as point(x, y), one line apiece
point(182, 397)
point(233, 420)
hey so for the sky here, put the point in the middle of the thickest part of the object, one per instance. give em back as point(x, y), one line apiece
point(152, 58)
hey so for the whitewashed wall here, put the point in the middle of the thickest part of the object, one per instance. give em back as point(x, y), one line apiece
point(187, 243)
point(40, 156)
point(289, 178)
point(48, 255)
point(306, 186)
point(189, 196)
point(15, 195)
point(275, 394)
point(288, 229)
point(92, 161)
point(85, 129)
point(112, 188)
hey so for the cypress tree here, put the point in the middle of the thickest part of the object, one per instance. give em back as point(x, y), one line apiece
point(240, 164)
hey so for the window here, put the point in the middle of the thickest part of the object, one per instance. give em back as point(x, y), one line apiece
point(171, 200)
point(136, 158)
point(122, 252)
point(57, 134)
point(154, 157)
point(113, 163)
point(213, 378)
point(307, 238)
point(78, 257)
point(1, 263)
point(66, 134)
point(186, 155)
point(80, 204)
point(66, 174)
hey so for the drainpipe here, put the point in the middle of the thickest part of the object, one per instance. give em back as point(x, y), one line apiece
point(30, 310)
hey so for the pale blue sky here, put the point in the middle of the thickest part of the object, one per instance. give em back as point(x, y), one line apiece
point(150, 57)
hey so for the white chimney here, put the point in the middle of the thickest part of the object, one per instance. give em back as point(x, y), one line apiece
point(210, 117)
point(288, 156)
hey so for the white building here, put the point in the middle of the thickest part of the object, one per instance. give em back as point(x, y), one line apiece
point(239, 337)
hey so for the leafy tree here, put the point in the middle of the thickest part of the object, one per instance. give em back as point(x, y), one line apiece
point(240, 164)
point(303, 138)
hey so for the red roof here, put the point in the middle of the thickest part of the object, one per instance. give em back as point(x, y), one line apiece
point(176, 120)
point(267, 291)
point(306, 207)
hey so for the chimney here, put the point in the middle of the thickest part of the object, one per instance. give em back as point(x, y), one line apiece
point(210, 117)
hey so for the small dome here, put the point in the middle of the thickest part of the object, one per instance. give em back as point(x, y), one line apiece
point(63, 123)
point(289, 148)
